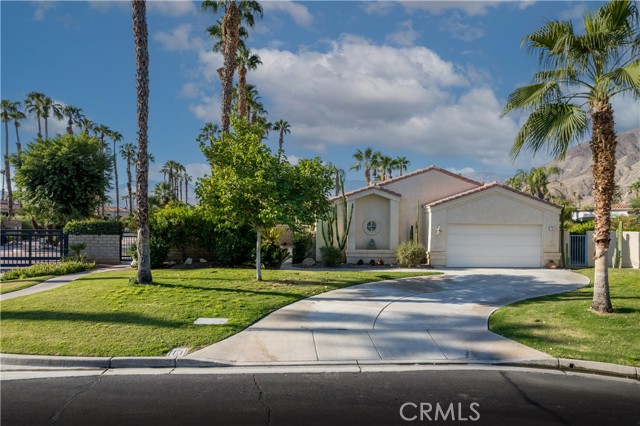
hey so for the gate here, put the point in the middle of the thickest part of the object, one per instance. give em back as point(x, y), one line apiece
point(24, 247)
point(126, 240)
point(578, 251)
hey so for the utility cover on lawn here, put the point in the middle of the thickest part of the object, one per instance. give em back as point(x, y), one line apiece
point(210, 321)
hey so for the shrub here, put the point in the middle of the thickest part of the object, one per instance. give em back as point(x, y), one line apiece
point(235, 246)
point(158, 248)
point(272, 255)
point(93, 227)
point(581, 228)
point(331, 256)
point(410, 253)
point(302, 245)
point(184, 227)
point(41, 269)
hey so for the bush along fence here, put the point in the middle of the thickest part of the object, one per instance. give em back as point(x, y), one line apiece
point(102, 239)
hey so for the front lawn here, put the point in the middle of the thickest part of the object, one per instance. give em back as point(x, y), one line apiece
point(104, 315)
point(562, 325)
point(19, 284)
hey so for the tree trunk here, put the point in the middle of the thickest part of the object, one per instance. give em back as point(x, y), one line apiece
point(115, 174)
point(39, 127)
point(129, 190)
point(70, 125)
point(140, 33)
point(18, 144)
point(7, 166)
point(46, 127)
point(280, 141)
point(242, 92)
point(258, 250)
point(231, 29)
point(603, 148)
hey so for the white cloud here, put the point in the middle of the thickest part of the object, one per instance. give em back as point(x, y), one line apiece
point(360, 94)
point(173, 8)
point(471, 8)
point(626, 113)
point(298, 12)
point(462, 170)
point(461, 30)
point(179, 39)
point(405, 36)
point(41, 8)
point(190, 90)
point(576, 12)
point(198, 170)
point(380, 8)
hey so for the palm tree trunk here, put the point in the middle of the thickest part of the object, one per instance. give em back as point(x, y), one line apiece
point(39, 127)
point(186, 191)
point(7, 166)
point(258, 250)
point(18, 144)
point(46, 127)
point(281, 140)
point(242, 92)
point(115, 175)
point(603, 148)
point(230, 25)
point(70, 125)
point(140, 33)
point(129, 186)
point(367, 176)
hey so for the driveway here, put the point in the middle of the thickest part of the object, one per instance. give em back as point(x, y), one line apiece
point(434, 318)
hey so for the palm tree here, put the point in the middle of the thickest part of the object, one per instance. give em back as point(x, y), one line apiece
point(102, 131)
point(73, 114)
point(235, 13)
point(385, 165)
point(535, 181)
point(141, 37)
point(401, 163)
point(116, 137)
point(247, 60)
point(284, 128)
point(129, 154)
point(17, 116)
point(8, 108)
point(208, 134)
point(164, 193)
point(86, 125)
point(581, 74)
point(186, 178)
point(33, 104)
point(365, 161)
point(49, 107)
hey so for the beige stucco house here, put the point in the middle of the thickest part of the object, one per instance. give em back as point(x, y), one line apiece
point(463, 223)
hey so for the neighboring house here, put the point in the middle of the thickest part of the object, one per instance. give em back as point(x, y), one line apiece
point(110, 212)
point(4, 207)
point(463, 223)
point(617, 210)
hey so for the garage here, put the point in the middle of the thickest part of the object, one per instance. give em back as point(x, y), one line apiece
point(494, 246)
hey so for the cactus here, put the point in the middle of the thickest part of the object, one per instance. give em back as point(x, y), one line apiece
point(417, 233)
point(411, 233)
point(617, 251)
point(333, 230)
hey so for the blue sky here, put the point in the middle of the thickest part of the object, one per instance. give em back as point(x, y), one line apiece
point(425, 80)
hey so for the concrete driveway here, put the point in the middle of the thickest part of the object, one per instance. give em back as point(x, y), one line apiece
point(435, 318)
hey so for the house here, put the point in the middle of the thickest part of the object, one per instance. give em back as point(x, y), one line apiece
point(463, 223)
point(617, 210)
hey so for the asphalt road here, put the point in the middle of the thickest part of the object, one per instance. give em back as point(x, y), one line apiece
point(434, 397)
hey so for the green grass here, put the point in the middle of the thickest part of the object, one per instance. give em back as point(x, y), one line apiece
point(15, 285)
point(562, 325)
point(104, 315)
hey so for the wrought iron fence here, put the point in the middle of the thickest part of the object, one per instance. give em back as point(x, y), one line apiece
point(578, 251)
point(28, 246)
point(126, 241)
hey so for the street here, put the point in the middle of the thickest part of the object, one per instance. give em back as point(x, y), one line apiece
point(374, 396)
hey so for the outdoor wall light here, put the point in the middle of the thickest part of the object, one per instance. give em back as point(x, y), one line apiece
point(552, 228)
point(438, 230)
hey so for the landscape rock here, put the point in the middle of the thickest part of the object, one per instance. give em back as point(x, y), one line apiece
point(189, 261)
point(203, 260)
point(308, 262)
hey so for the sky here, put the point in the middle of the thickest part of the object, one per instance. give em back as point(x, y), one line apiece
point(424, 80)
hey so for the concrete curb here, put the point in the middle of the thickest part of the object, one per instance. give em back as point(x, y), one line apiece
point(563, 364)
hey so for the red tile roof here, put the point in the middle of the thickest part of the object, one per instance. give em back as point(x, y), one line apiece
point(374, 186)
point(429, 169)
point(484, 188)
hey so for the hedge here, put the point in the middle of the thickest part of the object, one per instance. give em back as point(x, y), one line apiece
point(94, 227)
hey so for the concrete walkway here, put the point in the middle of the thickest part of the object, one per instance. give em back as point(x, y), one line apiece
point(437, 318)
point(57, 282)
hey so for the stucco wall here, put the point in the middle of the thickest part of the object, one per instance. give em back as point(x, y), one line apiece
point(376, 208)
point(494, 206)
point(100, 248)
point(630, 249)
point(420, 190)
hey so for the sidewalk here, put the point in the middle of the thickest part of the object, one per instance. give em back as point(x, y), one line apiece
point(57, 282)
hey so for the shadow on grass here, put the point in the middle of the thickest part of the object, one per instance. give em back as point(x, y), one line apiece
point(226, 289)
point(115, 318)
point(520, 332)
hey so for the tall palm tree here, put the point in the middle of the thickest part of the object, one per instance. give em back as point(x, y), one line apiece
point(580, 76)
point(235, 13)
point(283, 127)
point(33, 105)
point(129, 154)
point(116, 137)
point(385, 165)
point(186, 178)
point(101, 131)
point(49, 108)
point(247, 61)
point(401, 163)
point(208, 134)
point(141, 37)
point(86, 125)
point(535, 181)
point(8, 107)
point(17, 116)
point(364, 160)
point(73, 114)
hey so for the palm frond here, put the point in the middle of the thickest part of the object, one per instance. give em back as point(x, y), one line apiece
point(533, 96)
point(554, 126)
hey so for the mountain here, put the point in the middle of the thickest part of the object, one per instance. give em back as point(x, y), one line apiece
point(575, 182)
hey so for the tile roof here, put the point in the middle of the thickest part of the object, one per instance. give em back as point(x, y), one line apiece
point(428, 169)
point(366, 188)
point(621, 206)
point(484, 188)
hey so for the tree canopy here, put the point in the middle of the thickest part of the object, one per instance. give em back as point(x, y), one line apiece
point(63, 178)
point(249, 185)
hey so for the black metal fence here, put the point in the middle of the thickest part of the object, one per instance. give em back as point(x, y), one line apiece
point(28, 246)
point(126, 241)
point(578, 251)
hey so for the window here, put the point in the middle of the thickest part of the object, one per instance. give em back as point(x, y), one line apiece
point(371, 226)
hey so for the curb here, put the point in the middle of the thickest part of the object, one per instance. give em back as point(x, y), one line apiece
point(562, 364)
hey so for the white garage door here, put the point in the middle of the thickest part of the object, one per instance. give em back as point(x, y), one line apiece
point(494, 246)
